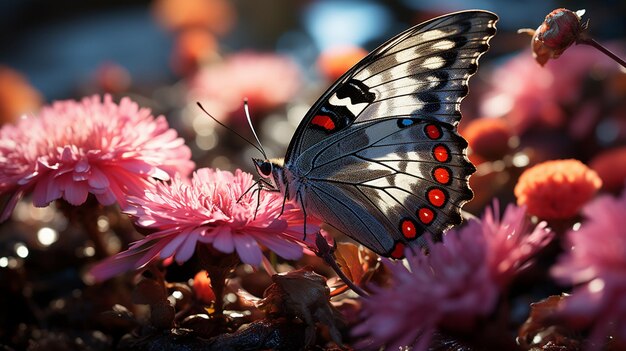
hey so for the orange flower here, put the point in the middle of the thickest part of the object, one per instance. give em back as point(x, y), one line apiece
point(488, 138)
point(113, 78)
point(202, 287)
point(17, 96)
point(334, 62)
point(611, 167)
point(556, 189)
point(192, 47)
point(218, 16)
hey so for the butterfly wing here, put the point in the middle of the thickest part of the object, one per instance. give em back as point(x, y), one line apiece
point(378, 156)
point(421, 71)
point(387, 182)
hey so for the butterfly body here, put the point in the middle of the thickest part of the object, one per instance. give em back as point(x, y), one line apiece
point(378, 156)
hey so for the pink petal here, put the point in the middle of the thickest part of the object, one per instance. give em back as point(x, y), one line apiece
point(98, 179)
point(45, 192)
point(248, 249)
point(172, 246)
point(286, 249)
point(76, 193)
point(187, 249)
point(107, 198)
point(10, 205)
point(223, 240)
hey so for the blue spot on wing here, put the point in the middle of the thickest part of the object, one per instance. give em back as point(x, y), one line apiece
point(405, 122)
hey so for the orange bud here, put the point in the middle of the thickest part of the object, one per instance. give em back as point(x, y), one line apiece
point(202, 287)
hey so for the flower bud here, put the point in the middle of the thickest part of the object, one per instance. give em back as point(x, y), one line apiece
point(559, 30)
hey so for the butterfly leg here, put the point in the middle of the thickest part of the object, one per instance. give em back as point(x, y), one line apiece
point(301, 201)
point(256, 184)
point(260, 187)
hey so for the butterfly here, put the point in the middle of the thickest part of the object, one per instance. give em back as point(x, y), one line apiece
point(378, 156)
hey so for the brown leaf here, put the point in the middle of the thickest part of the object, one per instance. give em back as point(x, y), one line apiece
point(542, 330)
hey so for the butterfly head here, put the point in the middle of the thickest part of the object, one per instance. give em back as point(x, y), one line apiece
point(269, 170)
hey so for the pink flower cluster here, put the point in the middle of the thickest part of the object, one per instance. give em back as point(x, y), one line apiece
point(530, 95)
point(72, 149)
point(595, 262)
point(210, 209)
point(457, 283)
point(266, 80)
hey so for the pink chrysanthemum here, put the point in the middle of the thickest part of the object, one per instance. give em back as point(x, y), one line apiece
point(595, 261)
point(75, 148)
point(511, 242)
point(266, 80)
point(210, 210)
point(452, 287)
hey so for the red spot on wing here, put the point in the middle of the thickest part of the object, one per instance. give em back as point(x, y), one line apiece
point(436, 197)
point(433, 131)
point(324, 122)
point(398, 251)
point(442, 175)
point(441, 153)
point(408, 229)
point(426, 215)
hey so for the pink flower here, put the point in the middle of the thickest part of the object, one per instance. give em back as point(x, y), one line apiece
point(267, 80)
point(530, 95)
point(210, 209)
point(456, 284)
point(511, 242)
point(450, 284)
point(75, 148)
point(595, 261)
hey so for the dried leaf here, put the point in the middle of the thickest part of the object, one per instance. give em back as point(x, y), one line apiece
point(542, 331)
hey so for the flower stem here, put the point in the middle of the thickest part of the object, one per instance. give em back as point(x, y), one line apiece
point(219, 266)
point(591, 42)
point(325, 252)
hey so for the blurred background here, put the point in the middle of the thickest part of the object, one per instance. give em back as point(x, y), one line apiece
point(148, 49)
point(280, 54)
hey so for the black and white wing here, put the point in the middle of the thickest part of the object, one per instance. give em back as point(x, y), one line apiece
point(378, 156)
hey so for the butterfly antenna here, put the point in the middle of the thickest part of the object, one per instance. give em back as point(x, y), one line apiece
point(247, 110)
point(232, 130)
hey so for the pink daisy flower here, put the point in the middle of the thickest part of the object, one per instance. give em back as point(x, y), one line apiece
point(267, 80)
point(75, 148)
point(210, 210)
point(595, 261)
point(457, 283)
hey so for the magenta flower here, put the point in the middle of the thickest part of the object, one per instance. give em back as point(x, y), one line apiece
point(210, 209)
point(75, 148)
point(266, 80)
point(511, 242)
point(452, 287)
point(452, 283)
point(595, 262)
